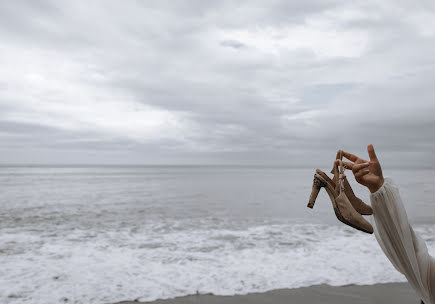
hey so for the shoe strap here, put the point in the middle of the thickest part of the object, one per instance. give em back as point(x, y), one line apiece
point(338, 156)
point(339, 170)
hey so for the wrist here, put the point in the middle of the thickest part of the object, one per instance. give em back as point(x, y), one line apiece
point(378, 185)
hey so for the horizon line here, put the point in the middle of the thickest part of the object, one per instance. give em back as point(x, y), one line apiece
point(78, 165)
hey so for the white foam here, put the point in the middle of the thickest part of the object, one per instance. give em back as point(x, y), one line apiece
point(149, 265)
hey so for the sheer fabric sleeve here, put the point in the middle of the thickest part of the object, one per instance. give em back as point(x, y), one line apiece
point(405, 249)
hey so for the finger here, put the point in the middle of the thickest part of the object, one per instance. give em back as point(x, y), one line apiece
point(350, 156)
point(361, 173)
point(372, 153)
point(358, 167)
point(348, 165)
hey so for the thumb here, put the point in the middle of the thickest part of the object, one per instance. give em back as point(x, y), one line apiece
point(372, 153)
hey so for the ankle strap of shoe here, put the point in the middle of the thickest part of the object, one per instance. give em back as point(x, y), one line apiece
point(338, 156)
point(339, 170)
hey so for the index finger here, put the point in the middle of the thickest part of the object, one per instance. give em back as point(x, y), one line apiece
point(350, 156)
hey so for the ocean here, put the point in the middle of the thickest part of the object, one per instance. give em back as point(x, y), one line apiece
point(102, 234)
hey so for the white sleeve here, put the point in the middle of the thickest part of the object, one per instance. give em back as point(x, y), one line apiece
point(405, 249)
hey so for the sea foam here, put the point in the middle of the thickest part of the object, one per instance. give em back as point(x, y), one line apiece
point(165, 261)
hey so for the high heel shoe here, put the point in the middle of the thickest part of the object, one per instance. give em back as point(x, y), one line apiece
point(357, 203)
point(343, 209)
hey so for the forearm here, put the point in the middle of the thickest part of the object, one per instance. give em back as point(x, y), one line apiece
point(405, 249)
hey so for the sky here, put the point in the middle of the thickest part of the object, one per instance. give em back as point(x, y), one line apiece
point(216, 82)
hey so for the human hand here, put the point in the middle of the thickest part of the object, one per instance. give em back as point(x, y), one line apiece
point(367, 173)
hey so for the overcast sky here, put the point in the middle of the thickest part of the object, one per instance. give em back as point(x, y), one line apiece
point(216, 82)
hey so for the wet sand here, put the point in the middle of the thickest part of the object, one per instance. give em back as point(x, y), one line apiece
point(380, 293)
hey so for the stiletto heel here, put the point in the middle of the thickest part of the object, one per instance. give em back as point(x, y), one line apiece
point(317, 185)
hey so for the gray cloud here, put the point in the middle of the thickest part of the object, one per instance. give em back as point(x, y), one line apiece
point(232, 43)
point(261, 82)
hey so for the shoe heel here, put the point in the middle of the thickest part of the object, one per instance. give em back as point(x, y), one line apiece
point(317, 185)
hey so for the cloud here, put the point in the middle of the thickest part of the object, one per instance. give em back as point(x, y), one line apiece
point(232, 43)
point(202, 82)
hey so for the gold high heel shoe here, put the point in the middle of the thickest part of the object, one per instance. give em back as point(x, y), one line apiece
point(343, 209)
point(357, 203)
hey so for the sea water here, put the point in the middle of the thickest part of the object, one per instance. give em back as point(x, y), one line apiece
point(96, 234)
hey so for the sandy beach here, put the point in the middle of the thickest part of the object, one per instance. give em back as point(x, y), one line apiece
point(380, 293)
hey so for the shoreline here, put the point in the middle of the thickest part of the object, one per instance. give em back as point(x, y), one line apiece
point(378, 293)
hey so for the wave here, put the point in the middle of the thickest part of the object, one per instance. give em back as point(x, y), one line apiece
point(166, 260)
